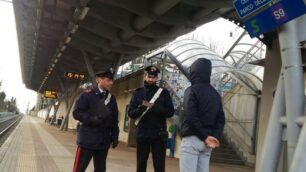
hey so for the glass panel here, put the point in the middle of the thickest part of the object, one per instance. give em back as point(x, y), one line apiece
point(187, 51)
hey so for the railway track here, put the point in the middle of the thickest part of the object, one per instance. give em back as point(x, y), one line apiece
point(7, 125)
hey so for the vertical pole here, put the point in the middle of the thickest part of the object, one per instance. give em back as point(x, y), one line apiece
point(272, 143)
point(293, 81)
point(256, 117)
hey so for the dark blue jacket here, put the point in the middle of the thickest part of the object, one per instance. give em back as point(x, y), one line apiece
point(203, 111)
point(91, 136)
point(151, 125)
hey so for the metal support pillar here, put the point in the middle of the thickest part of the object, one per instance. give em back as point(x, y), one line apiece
point(57, 106)
point(89, 66)
point(49, 109)
point(178, 64)
point(272, 143)
point(293, 82)
point(66, 117)
point(292, 98)
point(298, 161)
point(69, 107)
point(55, 111)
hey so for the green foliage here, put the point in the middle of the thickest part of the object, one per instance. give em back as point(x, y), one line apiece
point(7, 105)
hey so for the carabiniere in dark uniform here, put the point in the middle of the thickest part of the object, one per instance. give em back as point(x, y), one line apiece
point(152, 129)
point(91, 134)
point(99, 124)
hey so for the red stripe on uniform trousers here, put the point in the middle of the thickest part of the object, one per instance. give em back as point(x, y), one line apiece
point(136, 156)
point(76, 161)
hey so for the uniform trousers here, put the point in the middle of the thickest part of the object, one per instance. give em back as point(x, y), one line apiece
point(83, 157)
point(157, 147)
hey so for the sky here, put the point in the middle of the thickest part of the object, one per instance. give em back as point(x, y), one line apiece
point(217, 32)
point(10, 73)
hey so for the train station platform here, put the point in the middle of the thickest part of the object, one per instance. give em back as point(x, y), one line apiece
point(35, 146)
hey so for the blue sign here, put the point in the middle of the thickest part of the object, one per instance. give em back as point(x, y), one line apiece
point(278, 14)
point(245, 8)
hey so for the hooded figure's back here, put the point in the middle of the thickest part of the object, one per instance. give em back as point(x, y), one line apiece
point(203, 112)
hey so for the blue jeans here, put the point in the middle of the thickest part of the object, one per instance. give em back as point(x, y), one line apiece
point(194, 155)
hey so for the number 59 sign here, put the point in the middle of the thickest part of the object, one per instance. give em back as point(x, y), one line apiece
point(274, 16)
point(279, 14)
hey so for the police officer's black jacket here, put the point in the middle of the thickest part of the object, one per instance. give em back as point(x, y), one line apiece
point(151, 125)
point(203, 111)
point(93, 136)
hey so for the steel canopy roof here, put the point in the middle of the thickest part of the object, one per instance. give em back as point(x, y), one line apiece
point(54, 35)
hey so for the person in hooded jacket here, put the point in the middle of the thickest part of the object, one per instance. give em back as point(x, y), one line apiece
point(152, 129)
point(97, 111)
point(203, 120)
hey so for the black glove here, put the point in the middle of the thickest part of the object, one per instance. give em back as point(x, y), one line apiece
point(95, 121)
point(115, 143)
point(141, 109)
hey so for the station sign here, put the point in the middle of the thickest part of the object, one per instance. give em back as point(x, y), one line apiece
point(246, 8)
point(72, 75)
point(269, 15)
point(50, 94)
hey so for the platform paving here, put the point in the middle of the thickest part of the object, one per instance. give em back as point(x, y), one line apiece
point(35, 146)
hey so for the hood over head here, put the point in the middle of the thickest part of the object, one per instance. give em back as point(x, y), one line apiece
point(200, 71)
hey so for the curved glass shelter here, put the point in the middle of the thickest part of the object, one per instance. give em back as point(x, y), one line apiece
point(187, 51)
